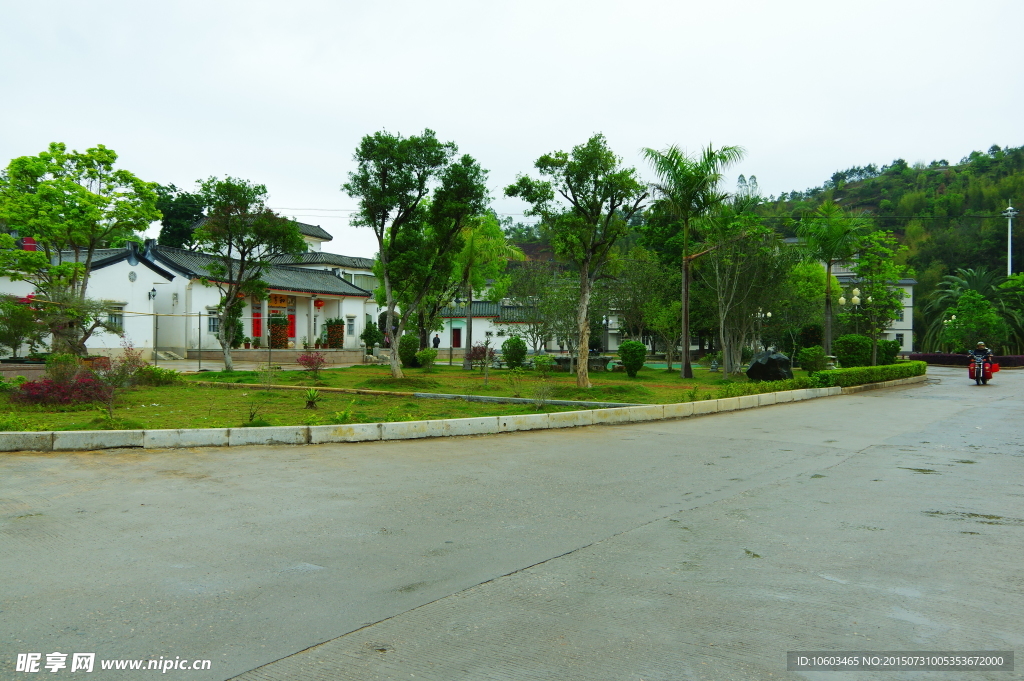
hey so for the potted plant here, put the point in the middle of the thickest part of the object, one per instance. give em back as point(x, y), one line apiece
point(278, 332)
point(247, 342)
point(305, 343)
point(257, 342)
point(335, 332)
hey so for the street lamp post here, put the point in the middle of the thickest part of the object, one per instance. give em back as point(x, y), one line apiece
point(1009, 214)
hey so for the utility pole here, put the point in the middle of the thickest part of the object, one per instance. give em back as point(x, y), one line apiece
point(1009, 214)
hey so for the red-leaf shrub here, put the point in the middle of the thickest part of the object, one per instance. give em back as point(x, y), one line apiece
point(80, 389)
point(312, 362)
point(963, 360)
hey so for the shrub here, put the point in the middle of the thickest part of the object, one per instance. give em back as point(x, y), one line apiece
point(515, 381)
point(312, 362)
point(811, 335)
point(813, 358)
point(480, 354)
point(425, 358)
point(371, 335)
point(157, 376)
point(543, 364)
point(79, 390)
point(888, 350)
point(514, 350)
point(62, 367)
point(408, 346)
point(861, 375)
point(633, 353)
point(11, 385)
point(852, 350)
point(312, 397)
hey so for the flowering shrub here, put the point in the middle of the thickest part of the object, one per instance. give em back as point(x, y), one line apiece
point(80, 389)
point(312, 362)
point(481, 354)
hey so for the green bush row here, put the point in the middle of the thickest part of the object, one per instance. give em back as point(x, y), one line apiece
point(862, 375)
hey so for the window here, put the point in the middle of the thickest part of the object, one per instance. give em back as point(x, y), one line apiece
point(899, 317)
point(212, 324)
point(115, 317)
point(899, 339)
point(350, 327)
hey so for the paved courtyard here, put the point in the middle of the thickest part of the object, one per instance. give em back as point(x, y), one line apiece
point(703, 548)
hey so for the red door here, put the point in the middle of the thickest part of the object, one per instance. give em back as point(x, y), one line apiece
point(456, 338)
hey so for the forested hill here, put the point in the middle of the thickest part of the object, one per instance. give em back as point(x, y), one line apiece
point(947, 214)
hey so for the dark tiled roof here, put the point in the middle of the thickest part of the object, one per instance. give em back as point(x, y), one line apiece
point(193, 264)
point(321, 258)
point(315, 231)
point(483, 308)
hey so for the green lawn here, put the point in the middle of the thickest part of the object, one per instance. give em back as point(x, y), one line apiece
point(194, 406)
point(651, 386)
point(191, 405)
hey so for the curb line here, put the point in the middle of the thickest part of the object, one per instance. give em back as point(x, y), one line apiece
point(89, 440)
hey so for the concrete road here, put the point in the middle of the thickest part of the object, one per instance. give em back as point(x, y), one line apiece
point(696, 549)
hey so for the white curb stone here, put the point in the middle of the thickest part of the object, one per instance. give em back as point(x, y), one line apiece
point(766, 399)
point(26, 442)
point(728, 403)
point(183, 437)
point(612, 415)
point(648, 412)
point(357, 432)
point(678, 411)
point(78, 440)
point(411, 430)
point(749, 401)
point(571, 419)
point(278, 435)
point(484, 425)
point(705, 407)
point(508, 424)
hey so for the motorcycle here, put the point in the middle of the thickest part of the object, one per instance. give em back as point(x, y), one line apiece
point(981, 370)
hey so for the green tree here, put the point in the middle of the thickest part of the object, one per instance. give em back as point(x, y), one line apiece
point(246, 237)
point(598, 197)
point(528, 285)
point(19, 324)
point(393, 177)
point(481, 263)
point(831, 236)
point(181, 210)
point(973, 319)
point(878, 275)
point(688, 189)
point(72, 204)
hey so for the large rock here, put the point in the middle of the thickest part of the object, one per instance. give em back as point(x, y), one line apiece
point(770, 366)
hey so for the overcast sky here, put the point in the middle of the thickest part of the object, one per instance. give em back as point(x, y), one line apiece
point(281, 92)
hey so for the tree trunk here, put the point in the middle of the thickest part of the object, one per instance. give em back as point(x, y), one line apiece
point(685, 370)
point(828, 308)
point(225, 344)
point(467, 363)
point(583, 325)
point(396, 367)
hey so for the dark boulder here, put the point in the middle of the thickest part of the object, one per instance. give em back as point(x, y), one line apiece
point(770, 366)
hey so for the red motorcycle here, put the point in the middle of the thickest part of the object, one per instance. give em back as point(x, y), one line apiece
point(981, 370)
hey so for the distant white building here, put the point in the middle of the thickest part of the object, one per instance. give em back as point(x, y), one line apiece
point(156, 295)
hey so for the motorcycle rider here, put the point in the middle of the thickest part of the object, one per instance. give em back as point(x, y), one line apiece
point(981, 353)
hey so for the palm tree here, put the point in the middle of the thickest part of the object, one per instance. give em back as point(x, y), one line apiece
point(832, 236)
point(990, 284)
point(688, 190)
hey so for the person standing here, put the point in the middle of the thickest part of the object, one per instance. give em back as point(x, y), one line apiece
point(437, 341)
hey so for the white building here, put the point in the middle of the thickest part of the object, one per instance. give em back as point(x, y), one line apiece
point(156, 295)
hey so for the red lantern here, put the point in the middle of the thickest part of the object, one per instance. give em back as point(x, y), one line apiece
point(318, 303)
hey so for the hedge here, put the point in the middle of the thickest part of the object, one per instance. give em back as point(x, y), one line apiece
point(862, 375)
point(963, 360)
